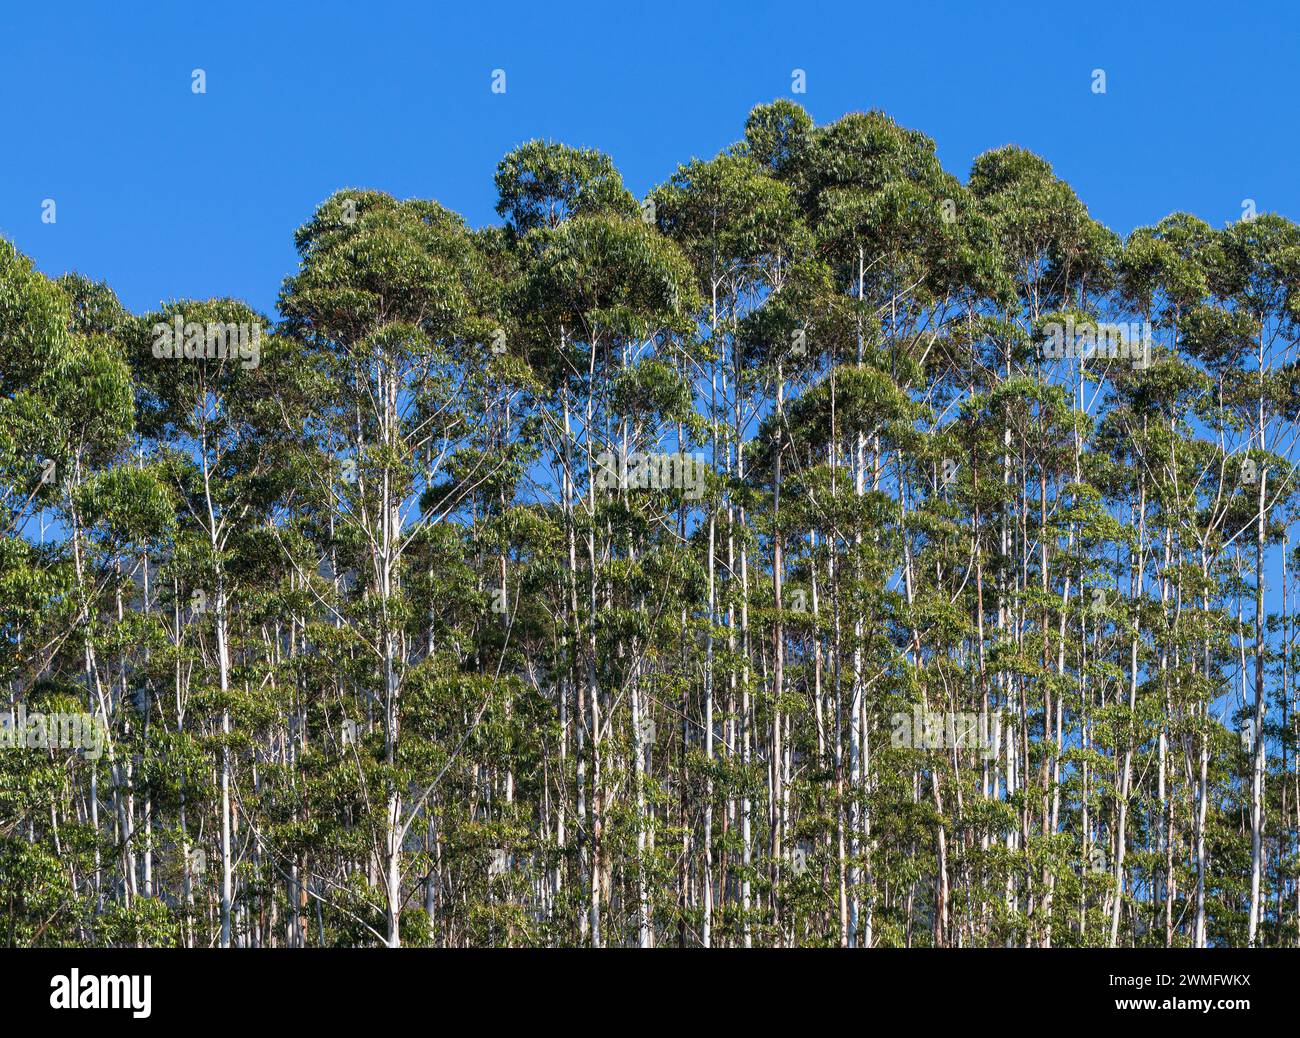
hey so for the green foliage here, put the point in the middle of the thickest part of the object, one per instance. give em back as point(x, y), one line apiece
point(733, 567)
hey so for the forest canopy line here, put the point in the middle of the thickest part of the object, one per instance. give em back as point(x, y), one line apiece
point(818, 551)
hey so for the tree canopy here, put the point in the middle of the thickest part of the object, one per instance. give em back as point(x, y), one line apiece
point(746, 564)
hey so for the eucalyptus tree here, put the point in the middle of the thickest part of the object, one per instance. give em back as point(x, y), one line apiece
point(540, 185)
point(393, 301)
point(1057, 259)
point(1163, 277)
point(742, 231)
point(744, 564)
point(65, 413)
point(597, 286)
point(34, 327)
point(884, 213)
point(208, 412)
point(629, 285)
point(1257, 275)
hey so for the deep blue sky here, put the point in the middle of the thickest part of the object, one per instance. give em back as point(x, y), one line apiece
point(167, 195)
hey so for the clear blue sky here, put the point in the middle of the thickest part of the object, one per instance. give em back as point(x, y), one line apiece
point(166, 194)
